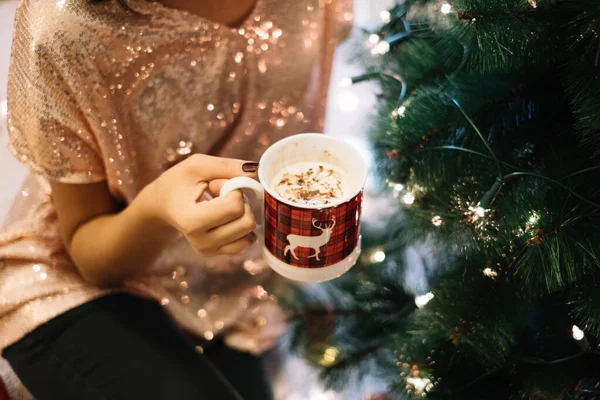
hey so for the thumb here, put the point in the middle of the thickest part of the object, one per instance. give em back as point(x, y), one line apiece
point(208, 168)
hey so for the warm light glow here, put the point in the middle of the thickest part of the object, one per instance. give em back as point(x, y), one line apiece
point(374, 38)
point(382, 47)
point(533, 3)
point(346, 82)
point(437, 220)
point(419, 385)
point(401, 110)
point(398, 187)
point(408, 198)
point(477, 212)
point(329, 356)
point(385, 16)
point(61, 3)
point(577, 333)
point(378, 256)
point(446, 8)
point(347, 101)
point(422, 300)
point(490, 272)
point(534, 218)
point(43, 276)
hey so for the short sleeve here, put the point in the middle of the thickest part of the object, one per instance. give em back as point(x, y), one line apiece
point(48, 131)
point(343, 11)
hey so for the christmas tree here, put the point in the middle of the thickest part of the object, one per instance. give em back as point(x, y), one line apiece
point(488, 138)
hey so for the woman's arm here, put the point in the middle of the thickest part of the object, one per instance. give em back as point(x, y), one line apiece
point(109, 246)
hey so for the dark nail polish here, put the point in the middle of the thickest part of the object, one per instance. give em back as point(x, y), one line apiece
point(250, 167)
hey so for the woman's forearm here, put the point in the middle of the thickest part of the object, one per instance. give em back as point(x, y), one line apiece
point(110, 248)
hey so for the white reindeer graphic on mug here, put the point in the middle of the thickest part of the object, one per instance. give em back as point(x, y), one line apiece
point(311, 242)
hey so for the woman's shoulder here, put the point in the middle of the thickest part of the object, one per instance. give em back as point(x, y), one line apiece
point(73, 37)
point(59, 25)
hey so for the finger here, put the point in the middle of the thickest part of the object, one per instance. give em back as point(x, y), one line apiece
point(233, 230)
point(216, 185)
point(199, 190)
point(239, 246)
point(208, 168)
point(206, 215)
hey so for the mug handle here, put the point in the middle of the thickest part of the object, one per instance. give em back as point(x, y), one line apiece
point(254, 194)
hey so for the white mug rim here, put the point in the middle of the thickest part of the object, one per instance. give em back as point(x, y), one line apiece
point(273, 149)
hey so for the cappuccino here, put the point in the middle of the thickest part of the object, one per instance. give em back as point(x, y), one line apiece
point(311, 183)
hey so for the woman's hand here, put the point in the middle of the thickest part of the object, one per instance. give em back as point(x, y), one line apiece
point(109, 245)
point(222, 225)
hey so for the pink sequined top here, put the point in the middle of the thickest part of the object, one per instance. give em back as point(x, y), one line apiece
point(100, 94)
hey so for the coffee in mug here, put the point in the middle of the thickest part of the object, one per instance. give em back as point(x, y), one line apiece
point(311, 183)
point(307, 205)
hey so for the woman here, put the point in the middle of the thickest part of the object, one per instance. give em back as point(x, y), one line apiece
point(115, 248)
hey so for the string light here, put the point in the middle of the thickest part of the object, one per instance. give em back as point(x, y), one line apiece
point(490, 272)
point(534, 218)
point(446, 8)
point(422, 300)
point(408, 198)
point(398, 187)
point(381, 48)
point(418, 385)
point(378, 256)
point(437, 220)
point(346, 82)
point(578, 333)
point(329, 356)
point(385, 16)
point(401, 111)
point(374, 38)
point(476, 212)
point(533, 3)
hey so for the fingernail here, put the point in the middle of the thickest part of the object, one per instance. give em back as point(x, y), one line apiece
point(250, 167)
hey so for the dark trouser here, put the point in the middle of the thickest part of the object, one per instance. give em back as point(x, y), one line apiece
point(124, 347)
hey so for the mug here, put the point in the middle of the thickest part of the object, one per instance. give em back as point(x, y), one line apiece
point(303, 242)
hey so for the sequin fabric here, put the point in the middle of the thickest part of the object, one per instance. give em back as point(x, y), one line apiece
point(100, 94)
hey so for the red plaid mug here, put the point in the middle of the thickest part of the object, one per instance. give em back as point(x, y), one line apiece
point(310, 243)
